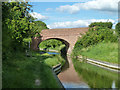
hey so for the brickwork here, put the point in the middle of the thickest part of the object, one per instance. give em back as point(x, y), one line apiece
point(68, 34)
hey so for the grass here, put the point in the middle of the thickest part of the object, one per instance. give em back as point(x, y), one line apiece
point(22, 72)
point(95, 77)
point(54, 60)
point(102, 51)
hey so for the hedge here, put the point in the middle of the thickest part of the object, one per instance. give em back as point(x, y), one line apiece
point(101, 24)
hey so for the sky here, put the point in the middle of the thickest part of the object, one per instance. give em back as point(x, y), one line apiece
point(75, 14)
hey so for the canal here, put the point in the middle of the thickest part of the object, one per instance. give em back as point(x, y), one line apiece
point(84, 75)
point(70, 78)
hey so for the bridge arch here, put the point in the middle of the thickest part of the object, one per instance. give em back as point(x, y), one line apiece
point(67, 44)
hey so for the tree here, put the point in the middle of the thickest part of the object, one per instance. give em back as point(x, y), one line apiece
point(37, 27)
point(117, 27)
point(101, 24)
point(51, 43)
point(15, 25)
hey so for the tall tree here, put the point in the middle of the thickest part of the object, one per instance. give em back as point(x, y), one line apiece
point(15, 25)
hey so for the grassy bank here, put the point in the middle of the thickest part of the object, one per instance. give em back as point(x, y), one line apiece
point(54, 60)
point(102, 51)
point(95, 77)
point(24, 72)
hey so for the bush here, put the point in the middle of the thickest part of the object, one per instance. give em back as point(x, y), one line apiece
point(101, 24)
point(93, 37)
point(117, 27)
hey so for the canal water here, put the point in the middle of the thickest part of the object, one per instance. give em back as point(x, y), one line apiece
point(70, 78)
point(42, 52)
point(87, 76)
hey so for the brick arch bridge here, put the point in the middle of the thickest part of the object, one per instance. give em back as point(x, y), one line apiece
point(67, 36)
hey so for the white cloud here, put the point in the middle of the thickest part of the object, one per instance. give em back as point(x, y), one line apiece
point(76, 24)
point(38, 16)
point(70, 9)
point(102, 5)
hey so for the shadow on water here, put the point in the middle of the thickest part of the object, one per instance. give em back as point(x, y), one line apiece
point(64, 55)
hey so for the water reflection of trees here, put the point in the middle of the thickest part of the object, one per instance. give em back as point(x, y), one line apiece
point(96, 77)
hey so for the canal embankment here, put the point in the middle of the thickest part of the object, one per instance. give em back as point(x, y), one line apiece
point(103, 51)
point(103, 64)
point(56, 70)
point(103, 54)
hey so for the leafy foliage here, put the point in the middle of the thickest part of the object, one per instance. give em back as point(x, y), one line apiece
point(37, 27)
point(40, 25)
point(101, 24)
point(15, 25)
point(17, 20)
point(94, 36)
point(51, 43)
point(117, 27)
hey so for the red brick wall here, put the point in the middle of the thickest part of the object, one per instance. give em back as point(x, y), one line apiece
point(68, 34)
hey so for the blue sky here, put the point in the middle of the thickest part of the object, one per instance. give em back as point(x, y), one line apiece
point(75, 14)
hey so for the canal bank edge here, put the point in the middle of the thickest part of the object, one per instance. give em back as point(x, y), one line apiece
point(58, 81)
point(102, 64)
